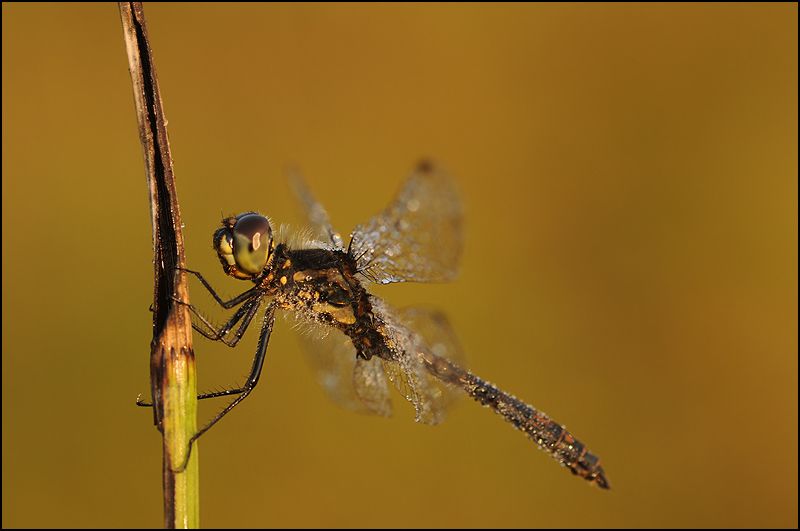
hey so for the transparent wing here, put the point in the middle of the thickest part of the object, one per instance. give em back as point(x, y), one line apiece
point(317, 216)
point(369, 384)
point(439, 339)
point(415, 335)
point(358, 385)
point(417, 237)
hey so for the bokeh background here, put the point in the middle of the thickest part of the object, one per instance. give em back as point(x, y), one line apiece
point(629, 174)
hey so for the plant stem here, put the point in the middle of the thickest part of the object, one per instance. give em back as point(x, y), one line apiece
point(173, 383)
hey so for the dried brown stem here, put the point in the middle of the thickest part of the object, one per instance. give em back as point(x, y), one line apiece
point(172, 366)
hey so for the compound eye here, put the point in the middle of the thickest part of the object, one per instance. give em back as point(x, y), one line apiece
point(252, 242)
point(225, 245)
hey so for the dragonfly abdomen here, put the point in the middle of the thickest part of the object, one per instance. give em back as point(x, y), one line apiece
point(552, 437)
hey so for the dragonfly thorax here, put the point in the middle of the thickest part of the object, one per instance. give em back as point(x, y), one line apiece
point(318, 283)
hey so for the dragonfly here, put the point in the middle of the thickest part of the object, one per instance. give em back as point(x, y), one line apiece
point(358, 344)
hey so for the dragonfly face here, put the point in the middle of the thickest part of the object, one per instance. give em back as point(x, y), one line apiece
point(244, 245)
point(417, 238)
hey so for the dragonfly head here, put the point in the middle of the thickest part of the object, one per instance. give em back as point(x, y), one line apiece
point(244, 245)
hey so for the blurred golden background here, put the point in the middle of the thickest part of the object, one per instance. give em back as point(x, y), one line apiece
point(629, 175)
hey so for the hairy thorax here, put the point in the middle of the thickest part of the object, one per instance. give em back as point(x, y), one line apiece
point(321, 285)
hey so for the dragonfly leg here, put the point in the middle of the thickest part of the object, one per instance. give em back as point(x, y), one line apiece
point(225, 304)
point(247, 388)
point(248, 311)
point(216, 394)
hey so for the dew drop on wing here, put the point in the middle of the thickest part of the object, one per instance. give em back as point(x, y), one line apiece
point(418, 237)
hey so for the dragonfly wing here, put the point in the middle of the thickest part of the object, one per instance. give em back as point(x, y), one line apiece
point(440, 340)
point(316, 213)
point(369, 384)
point(417, 334)
point(351, 383)
point(408, 377)
point(417, 238)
